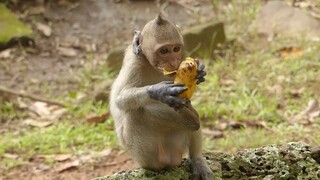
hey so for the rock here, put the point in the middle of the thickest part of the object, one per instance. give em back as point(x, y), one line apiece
point(11, 28)
point(204, 37)
point(67, 52)
point(276, 17)
point(288, 161)
point(44, 29)
point(102, 91)
point(115, 57)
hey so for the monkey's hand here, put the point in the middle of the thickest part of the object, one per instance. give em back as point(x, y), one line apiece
point(201, 72)
point(167, 92)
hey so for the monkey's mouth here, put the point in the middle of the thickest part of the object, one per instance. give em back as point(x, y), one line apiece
point(167, 72)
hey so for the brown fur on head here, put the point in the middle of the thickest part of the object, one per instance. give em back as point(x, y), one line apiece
point(156, 33)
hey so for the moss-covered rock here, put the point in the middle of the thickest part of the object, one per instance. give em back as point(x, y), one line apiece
point(288, 161)
point(10, 26)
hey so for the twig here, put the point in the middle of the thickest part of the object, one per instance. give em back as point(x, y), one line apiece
point(30, 96)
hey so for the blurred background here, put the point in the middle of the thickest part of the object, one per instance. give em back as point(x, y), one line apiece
point(59, 58)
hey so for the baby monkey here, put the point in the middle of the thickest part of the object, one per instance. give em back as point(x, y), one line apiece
point(152, 122)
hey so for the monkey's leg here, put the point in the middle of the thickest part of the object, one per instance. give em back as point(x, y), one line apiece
point(200, 168)
point(163, 156)
point(190, 115)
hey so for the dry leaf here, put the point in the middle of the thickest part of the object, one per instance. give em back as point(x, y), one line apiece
point(222, 126)
point(290, 52)
point(61, 157)
point(85, 158)
point(67, 166)
point(236, 125)
point(40, 108)
point(58, 113)
point(40, 168)
point(104, 153)
point(227, 82)
point(67, 52)
point(308, 115)
point(57, 157)
point(10, 156)
point(212, 133)
point(44, 29)
point(297, 92)
point(98, 119)
point(276, 89)
point(5, 54)
point(313, 105)
point(257, 124)
point(36, 123)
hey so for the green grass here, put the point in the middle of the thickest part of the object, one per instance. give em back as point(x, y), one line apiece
point(62, 138)
point(235, 140)
point(237, 88)
point(10, 111)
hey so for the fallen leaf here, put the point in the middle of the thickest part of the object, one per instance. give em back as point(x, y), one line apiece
point(281, 79)
point(40, 168)
point(212, 133)
point(290, 52)
point(57, 157)
point(104, 153)
point(58, 113)
point(10, 156)
point(297, 92)
point(36, 123)
point(222, 126)
point(257, 124)
point(68, 165)
point(67, 52)
point(40, 108)
point(276, 89)
point(85, 158)
point(236, 125)
point(227, 82)
point(98, 119)
point(5, 54)
point(309, 114)
point(313, 105)
point(61, 157)
point(44, 29)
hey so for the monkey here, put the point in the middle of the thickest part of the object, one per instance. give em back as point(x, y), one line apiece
point(153, 124)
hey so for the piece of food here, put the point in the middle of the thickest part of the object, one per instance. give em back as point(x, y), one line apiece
point(186, 74)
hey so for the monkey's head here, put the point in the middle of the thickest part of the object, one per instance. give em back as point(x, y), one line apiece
point(162, 44)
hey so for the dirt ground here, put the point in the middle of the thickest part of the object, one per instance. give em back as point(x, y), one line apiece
point(86, 27)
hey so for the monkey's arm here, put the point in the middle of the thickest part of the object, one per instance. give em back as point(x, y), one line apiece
point(135, 97)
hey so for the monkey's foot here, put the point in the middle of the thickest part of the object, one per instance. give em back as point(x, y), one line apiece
point(200, 169)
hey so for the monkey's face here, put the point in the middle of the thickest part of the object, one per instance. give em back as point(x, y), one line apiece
point(162, 44)
point(168, 56)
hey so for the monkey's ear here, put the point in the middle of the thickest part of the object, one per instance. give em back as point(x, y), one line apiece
point(135, 43)
point(159, 19)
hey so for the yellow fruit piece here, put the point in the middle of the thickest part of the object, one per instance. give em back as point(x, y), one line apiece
point(186, 74)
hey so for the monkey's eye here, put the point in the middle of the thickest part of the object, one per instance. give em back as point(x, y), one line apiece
point(176, 49)
point(164, 50)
